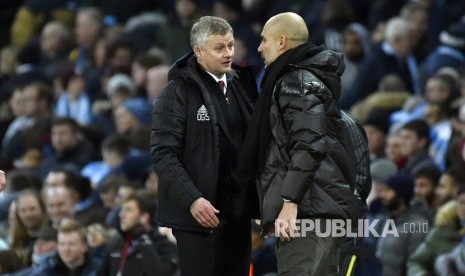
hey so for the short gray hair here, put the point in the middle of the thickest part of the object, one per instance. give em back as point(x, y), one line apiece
point(58, 29)
point(206, 26)
point(397, 27)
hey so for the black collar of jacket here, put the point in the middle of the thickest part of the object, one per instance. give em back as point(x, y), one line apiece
point(182, 68)
point(188, 69)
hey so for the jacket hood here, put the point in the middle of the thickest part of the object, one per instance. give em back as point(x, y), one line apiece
point(447, 217)
point(363, 34)
point(180, 67)
point(328, 66)
point(447, 214)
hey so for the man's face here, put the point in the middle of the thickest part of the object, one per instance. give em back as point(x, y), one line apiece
point(268, 47)
point(124, 120)
point(86, 30)
point(185, 8)
point(17, 103)
point(112, 158)
point(58, 204)
point(122, 58)
point(389, 197)
point(435, 91)
point(393, 148)
point(129, 215)
point(403, 45)
point(420, 19)
point(76, 86)
point(63, 138)
point(50, 40)
point(29, 212)
point(71, 248)
point(353, 48)
point(376, 139)
point(423, 189)
point(30, 100)
point(385, 193)
point(410, 142)
point(217, 54)
point(445, 189)
point(138, 74)
point(108, 198)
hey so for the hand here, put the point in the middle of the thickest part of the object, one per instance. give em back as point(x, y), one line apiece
point(286, 221)
point(204, 213)
point(2, 180)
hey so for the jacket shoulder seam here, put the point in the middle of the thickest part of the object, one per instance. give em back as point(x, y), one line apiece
point(294, 88)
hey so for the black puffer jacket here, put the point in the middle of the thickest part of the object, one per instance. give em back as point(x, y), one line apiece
point(309, 160)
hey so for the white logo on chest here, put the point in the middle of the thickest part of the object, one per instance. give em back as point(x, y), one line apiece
point(202, 114)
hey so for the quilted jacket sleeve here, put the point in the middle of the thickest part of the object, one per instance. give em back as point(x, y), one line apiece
point(167, 143)
point(304, 118)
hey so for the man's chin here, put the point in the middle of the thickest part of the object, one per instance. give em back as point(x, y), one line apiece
point(226, 69)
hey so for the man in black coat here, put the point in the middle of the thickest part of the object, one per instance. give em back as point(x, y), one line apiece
point(199, 122)
point(144, 250)
point(297, 148)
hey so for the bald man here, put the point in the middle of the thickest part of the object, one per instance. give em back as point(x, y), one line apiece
point(296, 149)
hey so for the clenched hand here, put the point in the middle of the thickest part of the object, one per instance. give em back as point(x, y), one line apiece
point(286, 221)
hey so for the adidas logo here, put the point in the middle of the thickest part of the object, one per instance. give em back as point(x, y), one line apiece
point(202, 114)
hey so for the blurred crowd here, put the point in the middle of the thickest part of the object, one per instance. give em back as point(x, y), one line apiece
point(78, 79)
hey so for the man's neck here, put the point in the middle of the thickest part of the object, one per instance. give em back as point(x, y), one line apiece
point(216, 77)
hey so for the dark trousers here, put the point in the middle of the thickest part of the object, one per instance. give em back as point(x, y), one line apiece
point(308, 256)
point(225, 251)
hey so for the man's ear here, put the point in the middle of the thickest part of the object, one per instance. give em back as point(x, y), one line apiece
point(197, 51)
point(282, 43)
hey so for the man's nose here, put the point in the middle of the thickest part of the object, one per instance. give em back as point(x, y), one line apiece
point(229, 52)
